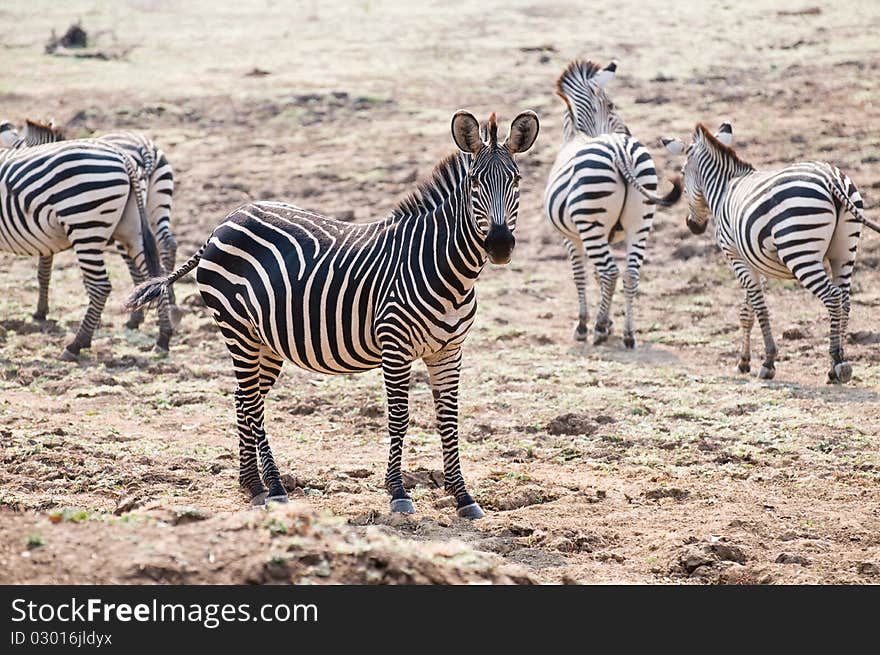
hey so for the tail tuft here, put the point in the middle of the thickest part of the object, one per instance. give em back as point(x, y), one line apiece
point(674, 194)
point(145, 293)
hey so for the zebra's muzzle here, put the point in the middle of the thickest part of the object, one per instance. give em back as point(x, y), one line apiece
point(695, 226)
point(499, 243)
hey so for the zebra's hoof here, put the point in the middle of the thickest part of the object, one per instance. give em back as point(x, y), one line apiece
point(39, 316)
point(767, 372)
point(68, 356)
point(599, 337)
point(175, 315)
point(259, 499)
point(629, 342)
point(402, 506)
point(159, 351)
point(580, 333)
point(132, 323)
point(278, 498)
point(744, 367)
point(841, 372)
point(472, 511)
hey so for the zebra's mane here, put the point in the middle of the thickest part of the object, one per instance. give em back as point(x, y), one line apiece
point(708, 137)
point(39, 132)
point(431, 193)
point(576, 76)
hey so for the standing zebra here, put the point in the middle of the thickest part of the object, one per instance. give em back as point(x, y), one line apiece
point(801, 222)
point(600, 191)
point(287, 284)
point(80, 195)
point(159, 187)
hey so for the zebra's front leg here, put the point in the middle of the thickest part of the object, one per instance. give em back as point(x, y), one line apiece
point(444, 371)
point(746, 322)
point(396, 371)
point(97, 285)
point(754, 288)
point(44, 274)
point(576, 256)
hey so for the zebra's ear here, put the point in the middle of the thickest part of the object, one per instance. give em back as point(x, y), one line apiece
point(725, 134)
point(675, 146)
point(466, 132)
point(8, 135)
point(604, 76)
point(523, 132)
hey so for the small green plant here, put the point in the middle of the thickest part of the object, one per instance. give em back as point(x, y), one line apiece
point(34, 541)
point(276, 527)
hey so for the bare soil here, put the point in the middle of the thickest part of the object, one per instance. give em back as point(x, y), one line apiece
point(595, 464)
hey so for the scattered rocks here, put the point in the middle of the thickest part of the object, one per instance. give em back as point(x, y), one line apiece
point(664, 492)
point(728, 552)
point(785, 558)
point(794, 333)
point(431, 479)
point(869, 569)
point(864, 337)
point(572, 424)
point(693, 558)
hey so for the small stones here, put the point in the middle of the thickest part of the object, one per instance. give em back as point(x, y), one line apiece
point(671, 492)
point(794, 333)
point(868, 568)
point(572, 424)
point(785, 558)
point(693, 558)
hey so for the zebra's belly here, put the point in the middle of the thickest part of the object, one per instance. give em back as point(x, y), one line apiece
point(33, 241)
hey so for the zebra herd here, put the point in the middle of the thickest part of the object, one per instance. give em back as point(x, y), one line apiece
point(286, 284)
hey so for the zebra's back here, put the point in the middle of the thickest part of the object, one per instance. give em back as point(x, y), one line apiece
point(776, 219)
point(303, 284)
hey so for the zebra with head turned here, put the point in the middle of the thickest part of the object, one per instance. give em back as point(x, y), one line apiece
point(81, 195)
point(802, 222)
point(601, 191)
point(284, 283)
point(159, 187)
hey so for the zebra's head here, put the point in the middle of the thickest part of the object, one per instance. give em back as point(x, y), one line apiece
point(694, 185)
point(588, 108)
point(493, 176)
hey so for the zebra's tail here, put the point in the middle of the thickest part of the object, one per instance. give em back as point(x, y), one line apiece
point(152, 289)
point(629, 175)
point(151, 250)
point(847, 202)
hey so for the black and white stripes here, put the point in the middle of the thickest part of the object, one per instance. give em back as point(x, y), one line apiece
point(801, 222)
point(284, 283)
point(79, 194)
point(600, 191)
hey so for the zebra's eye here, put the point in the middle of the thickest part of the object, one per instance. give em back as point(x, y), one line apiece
point(516, 179)
point(475, 183)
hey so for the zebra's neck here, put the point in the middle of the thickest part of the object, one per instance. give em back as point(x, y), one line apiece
point(437, 222)
point(604, 125)
point(716, 172)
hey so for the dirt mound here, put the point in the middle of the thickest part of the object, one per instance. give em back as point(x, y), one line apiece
point(286, 544)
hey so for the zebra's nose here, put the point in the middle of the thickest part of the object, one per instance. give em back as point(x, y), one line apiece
point(500, 243)
point(695, 226)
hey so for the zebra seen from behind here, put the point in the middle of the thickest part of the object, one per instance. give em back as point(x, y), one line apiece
point(159, 187)
point(81, 195)
point(286, 284)
point(801, 222)
point(601, 191)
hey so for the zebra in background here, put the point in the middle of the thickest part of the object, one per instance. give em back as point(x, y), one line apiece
point(601, 191)
point(802, 222)
point(80, 195)
point(288, 284)
point(159, 178)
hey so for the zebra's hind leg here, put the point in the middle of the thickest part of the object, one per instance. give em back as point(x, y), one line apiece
point(746, 322)
point(44, 274)
point(444, 370)
point(576, 256)
point(607, 275)
point(137, 316)
point(97, 283)
point(833, 298)
point(396, 370)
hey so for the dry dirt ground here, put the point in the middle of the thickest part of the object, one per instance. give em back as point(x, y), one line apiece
point(595, 464)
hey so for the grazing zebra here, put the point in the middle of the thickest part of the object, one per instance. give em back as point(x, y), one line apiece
point(287, 284)
point(80, 195)
point(801, 222)
point(159, 187)
point(600, 191)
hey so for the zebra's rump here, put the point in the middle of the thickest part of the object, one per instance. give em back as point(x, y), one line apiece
point(303, 284)
point(586, 189)
point(776, 219)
